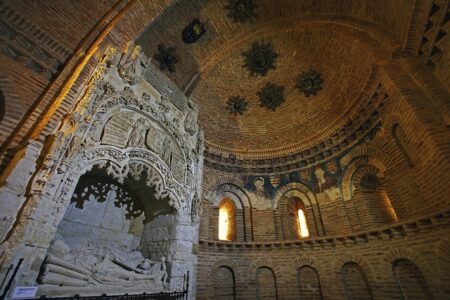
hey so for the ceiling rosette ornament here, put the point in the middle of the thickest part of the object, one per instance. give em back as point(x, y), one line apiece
point(237, 105)
point(241, 10)
point(309, 82)
point(271, 96)
point(260, 58)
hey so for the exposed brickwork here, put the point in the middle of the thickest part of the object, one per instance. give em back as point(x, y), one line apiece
point(224, 284)
point(410, 280)
point(375, 256)
point(384, 112)
point(39, 100)
point(354, 281)
point(309, 283)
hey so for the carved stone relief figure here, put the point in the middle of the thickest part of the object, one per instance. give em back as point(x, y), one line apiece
point(74, 147)
point(86, 268)
point(190, 121)
point(96, 268)
point(167, 150)
point(154, 140)
point(133, 64)
point(137, 135)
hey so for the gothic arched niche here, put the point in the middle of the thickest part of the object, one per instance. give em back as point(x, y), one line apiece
point(134, 196)
point(106, 223)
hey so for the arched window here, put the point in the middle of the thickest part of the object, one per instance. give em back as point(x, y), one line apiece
point(410, 280)
point(266, 284)
point(227, 220)
point(308, 283)
point(297, 213)
point(224, 284)
point(355, 282)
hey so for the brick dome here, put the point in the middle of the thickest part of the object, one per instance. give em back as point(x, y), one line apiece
point(299, 122)
point(305, 37)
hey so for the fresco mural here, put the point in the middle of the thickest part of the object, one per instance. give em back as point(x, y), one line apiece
point(325, 177)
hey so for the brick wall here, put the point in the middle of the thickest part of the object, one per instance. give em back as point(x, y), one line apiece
point(365, 261)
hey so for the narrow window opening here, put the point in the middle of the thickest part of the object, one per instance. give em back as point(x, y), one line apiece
point(227, 219)
point(303, 226)
point(296, 212)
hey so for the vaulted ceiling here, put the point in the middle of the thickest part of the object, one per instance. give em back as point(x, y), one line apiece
point(343, 40)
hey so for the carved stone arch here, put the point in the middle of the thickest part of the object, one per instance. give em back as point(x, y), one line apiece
point(116, 104)
point(122, 163)
point(119, 164)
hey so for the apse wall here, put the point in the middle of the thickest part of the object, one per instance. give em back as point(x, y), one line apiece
point(357, 248)
point(359, 266)
point(377, 218)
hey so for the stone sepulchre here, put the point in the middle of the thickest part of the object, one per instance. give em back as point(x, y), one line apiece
point(135, 133)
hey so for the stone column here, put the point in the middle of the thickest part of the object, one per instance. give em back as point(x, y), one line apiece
point(14, 183)
point(183, 253)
